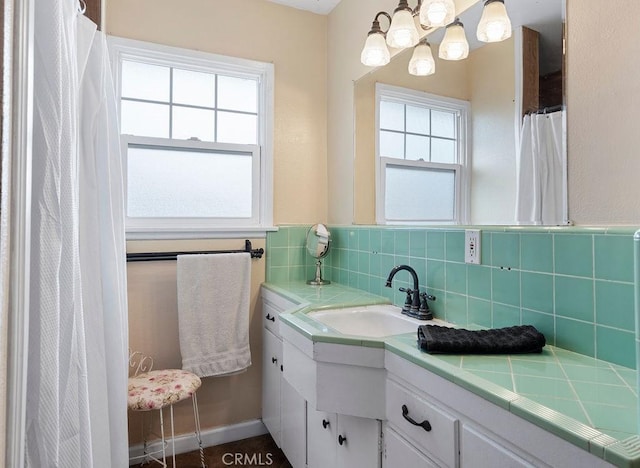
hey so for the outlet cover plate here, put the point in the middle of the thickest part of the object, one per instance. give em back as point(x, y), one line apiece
point(472, 246)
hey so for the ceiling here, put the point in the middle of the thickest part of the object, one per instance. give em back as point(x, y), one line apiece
point(322, 7)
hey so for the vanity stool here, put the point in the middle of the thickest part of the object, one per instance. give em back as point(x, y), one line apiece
point(155, 390)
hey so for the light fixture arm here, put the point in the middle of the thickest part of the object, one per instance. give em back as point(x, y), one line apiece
point(375, 26)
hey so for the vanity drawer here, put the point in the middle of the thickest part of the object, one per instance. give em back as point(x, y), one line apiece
point(440, 441)
point(271, 317)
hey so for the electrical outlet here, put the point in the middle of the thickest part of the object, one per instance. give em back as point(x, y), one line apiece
point(472, 246)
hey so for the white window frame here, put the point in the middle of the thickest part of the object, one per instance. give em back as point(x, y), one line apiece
point(181, 228)
point(462, 168)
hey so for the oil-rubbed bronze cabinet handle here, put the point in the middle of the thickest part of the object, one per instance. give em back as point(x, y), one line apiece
point(272, 318)
point(424, 424)
point(274, 360)
point(325, 423)
point(341, 440)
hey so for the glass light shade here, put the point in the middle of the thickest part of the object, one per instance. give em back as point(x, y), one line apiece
point(422, 63)
point(402, 33)
point(436, 13)
point(375, 52)
point(494, 25)
point(454, 46)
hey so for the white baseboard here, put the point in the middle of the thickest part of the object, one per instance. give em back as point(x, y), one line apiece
point(210, 437)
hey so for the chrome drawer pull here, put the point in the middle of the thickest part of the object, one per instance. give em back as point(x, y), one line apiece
point(424, 424)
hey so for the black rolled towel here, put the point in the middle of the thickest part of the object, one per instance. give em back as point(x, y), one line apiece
point(508, 340)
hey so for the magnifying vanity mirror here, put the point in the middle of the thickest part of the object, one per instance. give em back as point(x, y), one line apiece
point(318, 241)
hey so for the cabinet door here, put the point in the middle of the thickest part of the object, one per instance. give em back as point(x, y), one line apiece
point(400, 453)
point(479, 451)
point(358, 442)
point(293, 425)
point(322, 438)
point(271, 377)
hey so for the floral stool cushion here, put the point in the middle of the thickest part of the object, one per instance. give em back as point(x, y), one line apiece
point(159, 388)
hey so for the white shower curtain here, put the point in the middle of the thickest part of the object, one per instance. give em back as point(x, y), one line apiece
point(541, 178)
point(77, 362)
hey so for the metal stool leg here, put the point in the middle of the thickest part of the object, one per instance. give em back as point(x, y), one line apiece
point(164, 454)
point(173, 438)
point(196, 416)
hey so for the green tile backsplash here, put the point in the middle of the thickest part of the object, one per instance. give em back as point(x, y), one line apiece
point(576, 285)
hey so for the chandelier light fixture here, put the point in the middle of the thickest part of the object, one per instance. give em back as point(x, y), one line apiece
point(402, 33)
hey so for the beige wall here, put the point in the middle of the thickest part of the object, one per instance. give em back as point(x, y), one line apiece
point(296, 43)
point(294, 40)
point(603, 98)
point(493, 161)
point(487, 79)
point(153, 330)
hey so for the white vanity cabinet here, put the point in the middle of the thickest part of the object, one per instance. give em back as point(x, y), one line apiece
point(467, 431)
point(283, 409)
point(341, 441)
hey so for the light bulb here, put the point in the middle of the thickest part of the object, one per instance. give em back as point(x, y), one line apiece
point(402, 32)
point(494, 25)
point(436, 13)
point(422, 63)
point(454, 46)
point(375, 52)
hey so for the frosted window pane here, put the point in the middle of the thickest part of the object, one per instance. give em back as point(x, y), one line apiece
point(418, 120)
point(391, 116)
point(443, 151)
point(237, 94)
point(195, 88)
point(392, 145)
point(443, 124)
point(144, 119)
point(189, 122)
point(237, 128)
point(416, 194)
point(144, 81)
point(417, 147)
point(176, 183)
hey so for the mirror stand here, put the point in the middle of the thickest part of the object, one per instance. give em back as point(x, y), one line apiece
point(318, 281)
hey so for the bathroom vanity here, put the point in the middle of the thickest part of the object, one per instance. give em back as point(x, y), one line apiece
point(382, 402)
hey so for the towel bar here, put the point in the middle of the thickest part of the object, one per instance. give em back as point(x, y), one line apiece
point(156, 256)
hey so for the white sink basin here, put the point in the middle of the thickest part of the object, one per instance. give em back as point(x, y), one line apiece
point(372, 321)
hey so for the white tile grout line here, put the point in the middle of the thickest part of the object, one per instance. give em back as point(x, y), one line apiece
point(573, 390)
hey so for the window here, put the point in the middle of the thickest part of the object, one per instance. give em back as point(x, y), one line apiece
point(196, 141)
point(421, 157)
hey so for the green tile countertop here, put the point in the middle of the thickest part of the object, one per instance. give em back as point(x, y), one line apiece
point(588, 402)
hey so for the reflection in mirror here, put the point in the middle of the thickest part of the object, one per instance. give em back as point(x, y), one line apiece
point(318, 242)
point(501, 81)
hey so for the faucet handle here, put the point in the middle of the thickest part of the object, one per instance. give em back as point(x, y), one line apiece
point(424, 311)
point(426, 296)
point(408, 300)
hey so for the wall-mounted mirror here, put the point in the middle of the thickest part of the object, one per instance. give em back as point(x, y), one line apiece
point(490, 80)
point(318, 242)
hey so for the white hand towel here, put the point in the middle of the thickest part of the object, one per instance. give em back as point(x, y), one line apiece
point(213, 312)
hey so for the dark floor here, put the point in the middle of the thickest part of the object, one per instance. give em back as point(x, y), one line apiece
point(249, 453)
